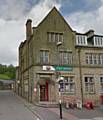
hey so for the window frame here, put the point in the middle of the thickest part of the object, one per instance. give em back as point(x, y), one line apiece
point(98, 41)
point(90, 81)
point(81, 40)
point(43, 56)
point(94, 58)
point(65, 57)
point(55, 37)
point(71, 85)
point(101, 84)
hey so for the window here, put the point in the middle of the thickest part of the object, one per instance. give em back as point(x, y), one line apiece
point(81, 40)
point(67, 85)
point(100, 58)
point(55, 37)
point(89, 85)
point(88, 58)
point(98, 41)
point(94, 58)
point(44, 56)
point(65, 57)
point(101, 83)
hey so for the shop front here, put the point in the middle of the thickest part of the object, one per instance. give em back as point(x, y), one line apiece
point(46, 83)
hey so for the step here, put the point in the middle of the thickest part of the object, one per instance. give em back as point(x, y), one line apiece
point(47, 104)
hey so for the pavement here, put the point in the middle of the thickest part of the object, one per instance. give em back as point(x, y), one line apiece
point(47, 113)
point(68, 114)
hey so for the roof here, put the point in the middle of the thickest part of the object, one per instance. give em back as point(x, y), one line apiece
point(2, 81)
point(54, 9)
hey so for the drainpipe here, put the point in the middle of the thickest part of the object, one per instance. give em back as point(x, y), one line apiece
point(80, 72)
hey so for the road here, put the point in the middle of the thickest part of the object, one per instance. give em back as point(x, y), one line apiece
point(11, 108)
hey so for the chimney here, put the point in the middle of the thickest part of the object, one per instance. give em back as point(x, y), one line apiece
point(28, 28)
point(90, 33)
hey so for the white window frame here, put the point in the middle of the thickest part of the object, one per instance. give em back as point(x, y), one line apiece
point(88, 84)
point(65, 57)
point(55, 37)
point(81, 40)
point(98, 41)
point(43, 57)
point(94, 58)
point(68, 84)
point(100, 58)
point(101, 84)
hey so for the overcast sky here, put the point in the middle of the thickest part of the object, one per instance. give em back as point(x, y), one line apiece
point(81, 15)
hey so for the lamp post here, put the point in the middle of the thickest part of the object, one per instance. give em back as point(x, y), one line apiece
point(58, 77)
point(60, 101)
point(18, 82)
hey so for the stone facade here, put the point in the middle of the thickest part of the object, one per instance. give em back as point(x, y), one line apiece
point(52, 57)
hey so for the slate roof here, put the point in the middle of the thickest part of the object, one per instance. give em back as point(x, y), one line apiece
point(6, 82)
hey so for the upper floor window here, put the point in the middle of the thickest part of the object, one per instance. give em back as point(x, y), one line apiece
point(44, 56)
point(89, 85)
point(94, 58)
point(81, 40)
point(65, 57)
point(98, 41)
point(55, 37)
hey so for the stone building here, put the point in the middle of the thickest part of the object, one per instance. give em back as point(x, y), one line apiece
point(54, 59)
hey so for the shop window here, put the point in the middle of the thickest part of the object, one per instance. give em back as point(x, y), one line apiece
point(101, 83)
point(67, 85)
point(89, 85)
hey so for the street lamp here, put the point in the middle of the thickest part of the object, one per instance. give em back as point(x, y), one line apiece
point(18, 82)
point(60, 101)
point(59, 43)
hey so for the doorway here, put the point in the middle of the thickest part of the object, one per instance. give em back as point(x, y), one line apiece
point(44, 92)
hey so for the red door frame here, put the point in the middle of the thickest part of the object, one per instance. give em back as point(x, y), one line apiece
point(46, 92)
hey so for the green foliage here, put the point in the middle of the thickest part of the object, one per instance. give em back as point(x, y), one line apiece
point(3, 76)
point(7, 72)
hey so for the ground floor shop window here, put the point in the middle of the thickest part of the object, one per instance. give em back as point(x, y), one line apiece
point(101, 83)
point(67, 85)
point(89, 84)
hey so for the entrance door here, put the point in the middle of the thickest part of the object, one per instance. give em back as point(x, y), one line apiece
point(44, 92)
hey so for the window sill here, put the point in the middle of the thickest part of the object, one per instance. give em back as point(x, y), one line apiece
point(68, 93)
point(90, 93)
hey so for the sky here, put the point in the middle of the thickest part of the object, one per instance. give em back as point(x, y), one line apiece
point(81, 15)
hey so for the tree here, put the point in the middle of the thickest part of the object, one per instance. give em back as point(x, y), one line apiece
point(10, 70)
